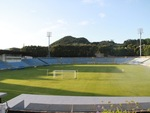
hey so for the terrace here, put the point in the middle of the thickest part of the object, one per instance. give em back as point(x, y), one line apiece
point(2, 94)
point(27, 103)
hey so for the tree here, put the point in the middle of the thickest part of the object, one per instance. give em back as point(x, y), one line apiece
point(107, 48)
point(73, 51)
point(36, 51)
point(70, 46)
point(14, 49)
point(146, 50)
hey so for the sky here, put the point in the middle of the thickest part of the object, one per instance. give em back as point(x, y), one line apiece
point(26, 22)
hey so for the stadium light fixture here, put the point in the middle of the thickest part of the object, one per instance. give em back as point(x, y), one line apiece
point(49, 35)
point(140, 31)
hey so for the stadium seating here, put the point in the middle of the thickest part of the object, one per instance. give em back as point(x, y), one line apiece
point(138, 60)
point(123, 60)
point(4, 65)
point(104, 60)
point(69, 60)
point(147, 62)
point(18, 65)
point(66, 60)
point(34, 62)
point(82, 60)
point(50, 61)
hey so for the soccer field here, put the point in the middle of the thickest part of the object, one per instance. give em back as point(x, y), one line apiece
point(92, 80)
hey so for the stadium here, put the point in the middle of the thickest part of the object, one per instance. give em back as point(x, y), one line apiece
point(74, 56)
point(48, 84)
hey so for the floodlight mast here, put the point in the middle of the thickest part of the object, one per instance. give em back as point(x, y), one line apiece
point(49, 35)
point(140, 31)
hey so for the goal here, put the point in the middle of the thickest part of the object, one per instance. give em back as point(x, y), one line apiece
point(65, 74)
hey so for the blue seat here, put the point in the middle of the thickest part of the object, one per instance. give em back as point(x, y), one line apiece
point(34, 62)
point(18, 65)
point(4, 65)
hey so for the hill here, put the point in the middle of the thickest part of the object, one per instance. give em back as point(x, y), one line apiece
point(69, 40)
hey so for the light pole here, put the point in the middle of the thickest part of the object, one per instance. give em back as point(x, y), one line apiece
point(140, 31)
point(49, 35)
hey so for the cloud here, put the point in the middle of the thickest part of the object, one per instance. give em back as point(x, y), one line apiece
point(33, 11)
point(54, 26)
point(61, 21)
point(84, 23)
point(100, 2)
point(88, 1)
point(102, 15)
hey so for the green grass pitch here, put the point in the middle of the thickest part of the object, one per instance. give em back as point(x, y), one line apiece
point(93, 80)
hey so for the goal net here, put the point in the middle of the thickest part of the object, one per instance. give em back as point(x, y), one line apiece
point(65, 74)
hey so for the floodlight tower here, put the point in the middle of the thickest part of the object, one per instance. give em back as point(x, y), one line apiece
point(140, 31)
point(49, 35)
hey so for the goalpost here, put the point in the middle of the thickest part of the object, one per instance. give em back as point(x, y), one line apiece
point(65, 74)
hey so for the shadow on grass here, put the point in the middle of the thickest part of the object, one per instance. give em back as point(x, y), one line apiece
point(25, 74)
point(15, 90)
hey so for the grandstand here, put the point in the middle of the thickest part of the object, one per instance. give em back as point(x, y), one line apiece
point(146, 63)
point(4, 65)
point(18, 60)
point(34, 62)
point(123, 60)
point(139, 60)
point(50, 61)
point(89, 60)
point(18, 65)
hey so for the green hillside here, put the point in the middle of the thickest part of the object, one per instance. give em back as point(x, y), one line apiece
point(67, 40)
